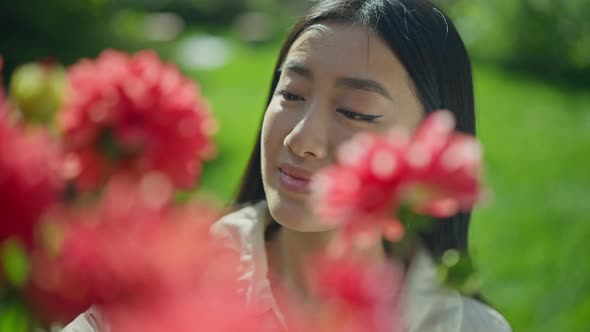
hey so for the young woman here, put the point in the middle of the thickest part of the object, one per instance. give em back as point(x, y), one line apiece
point(349, 66)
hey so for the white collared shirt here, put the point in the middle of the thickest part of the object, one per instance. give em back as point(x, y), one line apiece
point(430, 307)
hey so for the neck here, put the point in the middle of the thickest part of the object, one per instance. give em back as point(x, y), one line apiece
point(290, 253)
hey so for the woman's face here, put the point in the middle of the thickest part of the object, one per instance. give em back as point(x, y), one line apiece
point(336, 81)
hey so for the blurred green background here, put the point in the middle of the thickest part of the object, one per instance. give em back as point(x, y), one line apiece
point(532, 82)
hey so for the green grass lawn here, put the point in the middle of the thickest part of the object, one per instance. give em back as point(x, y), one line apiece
point(237, 94)
point(530, 240)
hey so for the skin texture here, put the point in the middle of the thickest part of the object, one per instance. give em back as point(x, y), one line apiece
point(323, 99)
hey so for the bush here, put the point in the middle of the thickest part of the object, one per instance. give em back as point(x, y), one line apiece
point(544, 36)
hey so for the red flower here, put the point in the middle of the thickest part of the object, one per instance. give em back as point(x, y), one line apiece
point(134, 245)
point(435, 172)
point(360, 191)
point(134, 113)
point(218, 310)
point(355, 295)
point(29, 179)
point(446, 167)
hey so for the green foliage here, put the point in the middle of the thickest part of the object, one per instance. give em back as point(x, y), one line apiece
point(457, 271)
point(544, 36)
point(38, 90)
point(107, 146)
point(237, 93)
point(212, 12)
point(529, 240)
point(15, 262)
point(14, 269)
point(13, 318)
point(64, 30)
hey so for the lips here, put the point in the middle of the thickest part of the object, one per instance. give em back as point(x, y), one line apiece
point(294, 179)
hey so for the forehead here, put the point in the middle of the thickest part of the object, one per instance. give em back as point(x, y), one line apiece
point(346, 50)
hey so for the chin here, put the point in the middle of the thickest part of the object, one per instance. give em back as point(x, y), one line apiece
point(295, 214)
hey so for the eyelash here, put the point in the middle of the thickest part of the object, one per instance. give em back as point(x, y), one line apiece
point(358, 116)
point(288, 95)
point(349, 114)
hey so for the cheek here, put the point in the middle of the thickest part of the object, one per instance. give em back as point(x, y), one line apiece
point(270, 134)
point(275, 127)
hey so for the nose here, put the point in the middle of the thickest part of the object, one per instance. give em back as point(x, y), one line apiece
point(308, 138)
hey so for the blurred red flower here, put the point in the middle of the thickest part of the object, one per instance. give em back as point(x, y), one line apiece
point(434, 172)
point(446, 167)
point(29, 179)
point(132, 246)
point(218, 310)
point(134, 113)
point(357, 295)
point(359, 192)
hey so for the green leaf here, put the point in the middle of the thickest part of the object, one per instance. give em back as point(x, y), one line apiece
point(107, 145)
point(457, 271)
point(14, 318)
point(15, 262)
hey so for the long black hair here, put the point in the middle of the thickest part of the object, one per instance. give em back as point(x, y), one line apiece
point(429, 47)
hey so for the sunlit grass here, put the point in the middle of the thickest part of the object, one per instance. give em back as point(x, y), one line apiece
point(530, 241)
point(237, 93)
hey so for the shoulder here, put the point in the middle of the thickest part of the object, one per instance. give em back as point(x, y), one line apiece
point(240, 227)
point(433, 307)
point(89, 321)
point(243, 231)
point(478, 316)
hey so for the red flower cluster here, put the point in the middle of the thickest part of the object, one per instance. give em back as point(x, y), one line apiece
point(133, 247)
point(29, 179)
point(149, 266)
point(134, 113)
point(445, 168)
point(435, 172)
point(138, 126)
point(215, 310)
point(357, 295)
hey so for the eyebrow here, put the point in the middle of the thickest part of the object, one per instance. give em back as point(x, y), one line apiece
point(347, 82)
point(297, 68)
point(363, 84)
